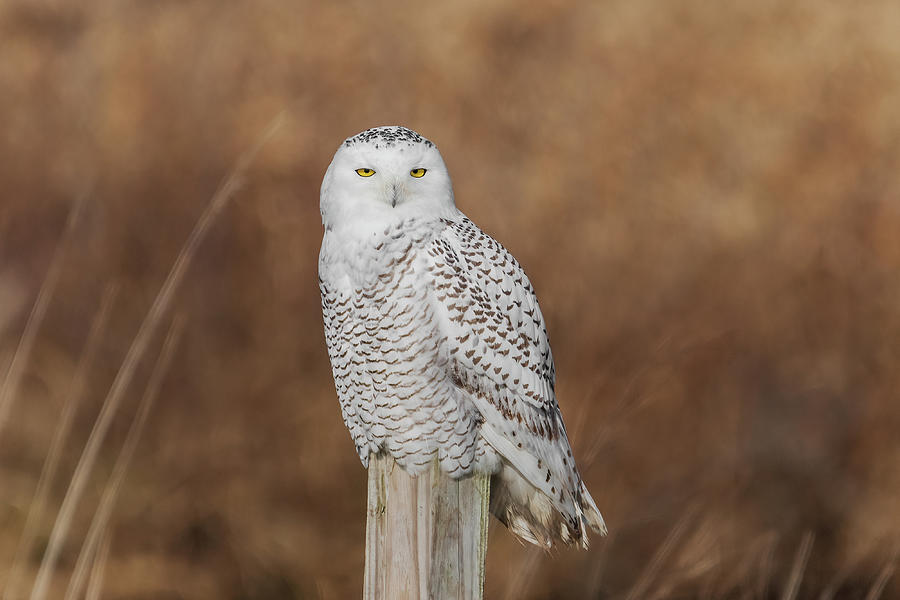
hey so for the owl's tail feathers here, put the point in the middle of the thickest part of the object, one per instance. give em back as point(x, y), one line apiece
point(588, 511)
point(532, 516)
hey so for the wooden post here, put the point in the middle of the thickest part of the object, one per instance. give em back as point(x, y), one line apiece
point(426, 536)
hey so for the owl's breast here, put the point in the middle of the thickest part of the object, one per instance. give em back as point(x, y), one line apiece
point(390, 318)
point(384, 260)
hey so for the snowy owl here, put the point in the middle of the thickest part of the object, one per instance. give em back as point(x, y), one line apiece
point(437, 345)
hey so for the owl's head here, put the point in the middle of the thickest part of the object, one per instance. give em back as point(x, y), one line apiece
point(385, 175)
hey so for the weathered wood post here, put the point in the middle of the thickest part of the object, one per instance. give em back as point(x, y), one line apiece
point(426, 536)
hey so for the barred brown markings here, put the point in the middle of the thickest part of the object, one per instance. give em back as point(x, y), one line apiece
point(387, 276)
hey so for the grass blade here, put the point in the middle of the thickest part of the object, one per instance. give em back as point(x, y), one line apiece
point(100, 523)
point(10, 384)
point(527, 569)
point(126, 372)
point(881, 582)
point(800, 560)
point(765, 566)
point(95, 583)
point(642, 586)
point(51, 463)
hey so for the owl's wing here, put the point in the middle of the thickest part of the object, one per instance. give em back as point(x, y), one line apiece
point(344, 327)
point(500, 352)
point(498, 333)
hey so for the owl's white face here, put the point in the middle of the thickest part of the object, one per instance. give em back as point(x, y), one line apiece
point(382, 176)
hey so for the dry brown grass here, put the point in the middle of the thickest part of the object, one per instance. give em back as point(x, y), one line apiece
point(705, 195)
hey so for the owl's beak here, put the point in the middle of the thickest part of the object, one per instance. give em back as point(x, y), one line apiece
point(395, 192)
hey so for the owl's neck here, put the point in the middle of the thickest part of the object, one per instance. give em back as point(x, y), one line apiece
point(371, 221)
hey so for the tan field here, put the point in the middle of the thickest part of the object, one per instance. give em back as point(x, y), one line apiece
point(706, 196)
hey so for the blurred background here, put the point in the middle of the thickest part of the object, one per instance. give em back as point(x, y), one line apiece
point(706, 197)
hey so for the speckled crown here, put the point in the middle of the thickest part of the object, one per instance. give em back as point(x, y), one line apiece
point(388, 137)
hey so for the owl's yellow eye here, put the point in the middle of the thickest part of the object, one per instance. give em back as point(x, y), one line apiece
point(417, 172)
point(366, 172)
